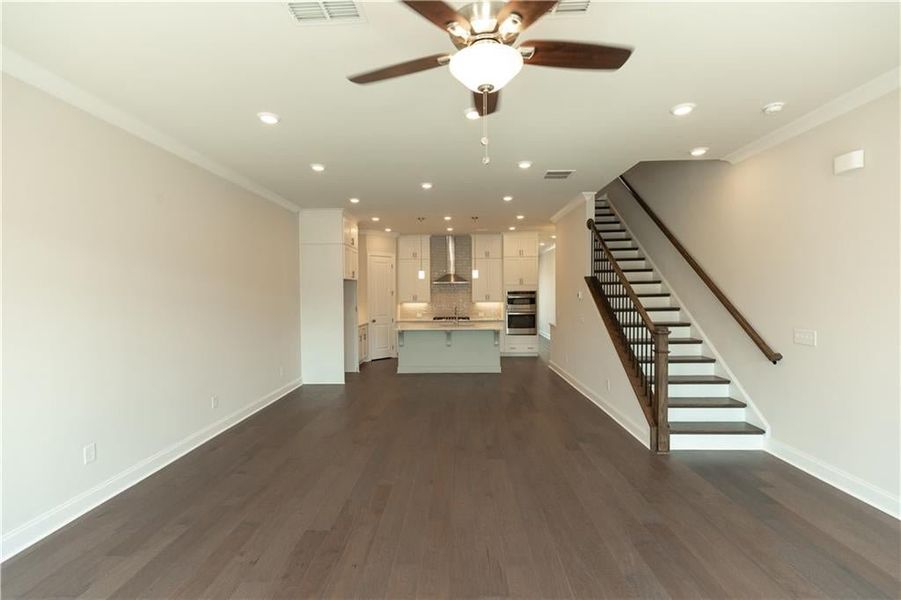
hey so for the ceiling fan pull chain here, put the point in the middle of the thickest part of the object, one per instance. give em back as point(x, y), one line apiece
point(485, 159)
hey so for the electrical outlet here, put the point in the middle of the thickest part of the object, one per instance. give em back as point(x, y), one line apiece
point(609, 387)
point(805, 337)
point(214, 401)
point(89, 453)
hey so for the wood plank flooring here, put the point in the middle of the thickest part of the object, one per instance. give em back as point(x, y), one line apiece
point(450, 486)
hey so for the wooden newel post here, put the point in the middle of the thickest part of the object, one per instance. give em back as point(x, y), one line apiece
point(661, 387)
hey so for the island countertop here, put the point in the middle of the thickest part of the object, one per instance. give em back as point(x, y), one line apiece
point(476, 325)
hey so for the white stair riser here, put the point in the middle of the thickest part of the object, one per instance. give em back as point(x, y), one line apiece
point(647, 288)
point(687, 368)
point(605, 227)
point(706, 414)
point(613, 235)
point(706, 390)
point(624, 253)
point(716, 442)
point(620, 245)
point(686, 349)
point(656, 301)
point(644, 276)
point(664, 315)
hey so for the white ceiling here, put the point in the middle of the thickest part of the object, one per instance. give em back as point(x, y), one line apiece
point(200, 73)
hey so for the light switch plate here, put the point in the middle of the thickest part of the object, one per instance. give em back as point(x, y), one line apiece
point(805, 337)
point(89, 453)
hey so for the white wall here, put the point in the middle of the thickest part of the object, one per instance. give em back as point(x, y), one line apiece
point(581, 350)
point(135, 287)
point(546, 291)
point(794, 246)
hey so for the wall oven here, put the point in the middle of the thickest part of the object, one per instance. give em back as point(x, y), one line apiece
point(522, 313)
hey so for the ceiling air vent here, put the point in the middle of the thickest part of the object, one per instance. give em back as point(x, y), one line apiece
point(324, 11)
point(566, 7)
point(558, 174)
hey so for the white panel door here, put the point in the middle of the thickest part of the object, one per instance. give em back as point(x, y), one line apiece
point(381, 307)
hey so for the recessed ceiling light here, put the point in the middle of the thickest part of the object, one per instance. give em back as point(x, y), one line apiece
point(541, 243)
point(447, 218)
point(511, 228)
point(773, 107)
point(450, 228)
point(553, 237)
point(268, 118)
point(354, 200)
point(524, 164)
point(681, 110)
point(387, 230)
point(520, 217)
point(471, 114)
point(426, 186)
point(699, 151)
point(376, 219)
point(317, 167)
point(508, 198)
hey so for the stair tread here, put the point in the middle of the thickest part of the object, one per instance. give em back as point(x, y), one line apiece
point(649, 308)
point(720, 402)
point(682, 360)
point(714, 427)
point(678, 340)
point(695, 379)
point(645, 295)
point(665, 324)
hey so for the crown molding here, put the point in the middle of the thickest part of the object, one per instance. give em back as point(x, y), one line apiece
point(21, 68)
point(866, 93)
point(573, 204)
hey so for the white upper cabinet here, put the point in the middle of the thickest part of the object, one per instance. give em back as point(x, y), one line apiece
point(489, 286)
point(410, 288)
point(486, 245)
point(351, 233)
point(351, 263)
point(521, 271)
point(517, 245)
point(413, 247)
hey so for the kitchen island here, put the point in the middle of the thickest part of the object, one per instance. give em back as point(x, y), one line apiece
point(449, 346)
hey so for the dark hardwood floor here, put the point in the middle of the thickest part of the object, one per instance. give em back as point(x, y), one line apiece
point(462, 486)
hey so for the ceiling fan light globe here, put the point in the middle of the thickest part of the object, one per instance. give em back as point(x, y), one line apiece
point(486, 64)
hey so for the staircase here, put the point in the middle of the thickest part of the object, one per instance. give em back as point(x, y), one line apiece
point(701, 409)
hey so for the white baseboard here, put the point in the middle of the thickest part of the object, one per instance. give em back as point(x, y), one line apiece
point(641, 434)
point(44, 524)
point(844, 481)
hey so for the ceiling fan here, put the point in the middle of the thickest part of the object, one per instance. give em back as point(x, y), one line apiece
point(484, 33)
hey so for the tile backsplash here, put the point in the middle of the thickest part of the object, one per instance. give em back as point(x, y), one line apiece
point(446, 297)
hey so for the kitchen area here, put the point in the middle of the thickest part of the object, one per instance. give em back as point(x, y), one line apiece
point(462, 301)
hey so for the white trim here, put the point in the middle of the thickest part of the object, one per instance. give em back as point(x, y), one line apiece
point(844, 481)
point(573, 204)
point(639, 433)
point(44, 524)
point(23, 69)
point(876, 88)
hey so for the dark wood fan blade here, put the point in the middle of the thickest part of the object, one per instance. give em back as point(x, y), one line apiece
point(575, 55)
point(405, 68)
point(529, 10)
point(438, 13)
point(478, 102)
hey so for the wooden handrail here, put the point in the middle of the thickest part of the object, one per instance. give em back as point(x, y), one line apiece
point(773, 356)
point(645, 317)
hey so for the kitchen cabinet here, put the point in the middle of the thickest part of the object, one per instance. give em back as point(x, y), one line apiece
point(486, 245)
point(518, 245)
point(410, 288)
point(363, 335)
point(413, 247)
point(521, 271)
point(351, 263)
point(351, 233)
point(489, 287)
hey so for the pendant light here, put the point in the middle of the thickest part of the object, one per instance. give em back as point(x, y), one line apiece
point(421, 273)
point(475, 271)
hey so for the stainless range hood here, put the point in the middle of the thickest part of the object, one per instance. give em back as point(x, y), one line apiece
point(451, 277)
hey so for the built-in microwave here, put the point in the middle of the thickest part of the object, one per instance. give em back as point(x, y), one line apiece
point(522, 313)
